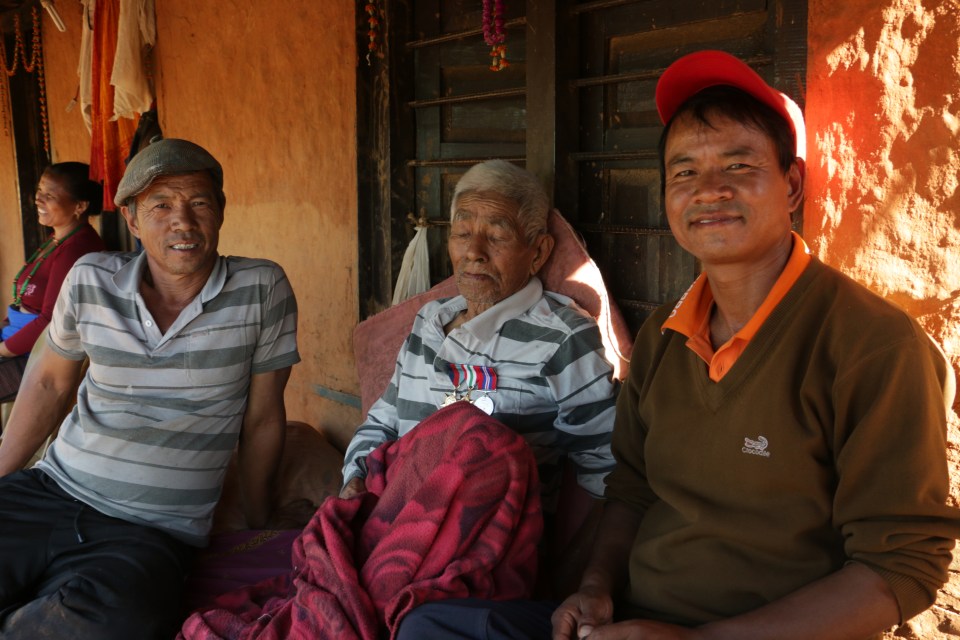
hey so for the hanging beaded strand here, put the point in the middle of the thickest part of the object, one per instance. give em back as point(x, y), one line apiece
point(17, 46)
point(4, 101)
point(35, 42)
point(493, 33)
point(8, 72)
point(35, 65)
point(41, 82)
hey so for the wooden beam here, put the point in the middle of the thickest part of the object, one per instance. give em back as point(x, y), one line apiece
point(542, 90)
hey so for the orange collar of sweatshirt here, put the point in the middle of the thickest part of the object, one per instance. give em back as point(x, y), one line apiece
point(691, 316)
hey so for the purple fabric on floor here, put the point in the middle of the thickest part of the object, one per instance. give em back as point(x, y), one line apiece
point(237, 559)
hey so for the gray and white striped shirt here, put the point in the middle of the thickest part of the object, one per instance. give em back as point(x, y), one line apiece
point(158, 415)
point(554, 386)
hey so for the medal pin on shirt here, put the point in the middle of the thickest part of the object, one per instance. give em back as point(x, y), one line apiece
point(476, 377)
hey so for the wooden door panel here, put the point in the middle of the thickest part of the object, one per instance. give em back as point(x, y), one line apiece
point(464, 111)
point(484, 125)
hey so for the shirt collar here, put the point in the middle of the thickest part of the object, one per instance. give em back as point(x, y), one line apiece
point(485, 325)
point(693, 307)
point(128, 277)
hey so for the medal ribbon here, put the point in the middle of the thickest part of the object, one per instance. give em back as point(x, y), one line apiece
point(479, 377)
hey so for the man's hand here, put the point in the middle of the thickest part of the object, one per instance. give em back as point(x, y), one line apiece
point(579, 614)
point(643, 630)
point(353, 489)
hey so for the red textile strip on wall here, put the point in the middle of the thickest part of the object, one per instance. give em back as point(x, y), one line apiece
point(111, 139)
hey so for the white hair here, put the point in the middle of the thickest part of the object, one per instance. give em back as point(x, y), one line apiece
point(512, 182)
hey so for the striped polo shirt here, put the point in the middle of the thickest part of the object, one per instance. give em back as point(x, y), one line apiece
point(158, 415)
point(554, 385)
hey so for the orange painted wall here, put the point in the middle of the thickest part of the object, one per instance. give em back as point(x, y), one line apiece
point(883, 189)
point(269, 89)
point(883, 118)
point(69, 137)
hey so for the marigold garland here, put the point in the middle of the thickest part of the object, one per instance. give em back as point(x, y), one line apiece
point(493, 33)
point(373, 29)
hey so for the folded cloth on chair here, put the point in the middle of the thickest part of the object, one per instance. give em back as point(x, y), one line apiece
point(452, 510)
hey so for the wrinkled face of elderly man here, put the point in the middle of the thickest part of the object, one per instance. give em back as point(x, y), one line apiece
point(491, 256)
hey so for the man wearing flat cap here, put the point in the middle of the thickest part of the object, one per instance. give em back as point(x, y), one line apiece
point(781, 437)
point(188, 353)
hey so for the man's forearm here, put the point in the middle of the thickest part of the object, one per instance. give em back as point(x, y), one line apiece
point(368, 436)
point(609, 562)
point(853, 603)
point(260, 453)
point(261, 444)
point(36, 414)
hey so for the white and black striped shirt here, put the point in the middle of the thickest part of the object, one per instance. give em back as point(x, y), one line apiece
point(554, 385)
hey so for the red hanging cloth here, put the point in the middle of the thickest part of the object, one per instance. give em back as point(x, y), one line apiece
point(111, 139)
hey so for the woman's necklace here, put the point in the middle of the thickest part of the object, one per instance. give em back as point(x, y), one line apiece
point(18, 294)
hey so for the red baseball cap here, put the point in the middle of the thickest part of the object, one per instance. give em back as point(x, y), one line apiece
point(696, 71)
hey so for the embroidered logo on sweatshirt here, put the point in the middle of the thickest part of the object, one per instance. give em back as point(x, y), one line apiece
point(756, 447)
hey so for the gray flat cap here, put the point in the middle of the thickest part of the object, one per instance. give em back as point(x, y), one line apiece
point(165, 157)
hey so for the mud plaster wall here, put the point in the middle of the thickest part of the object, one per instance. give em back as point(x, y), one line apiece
point(883, 195)
point(883, 112)
point(270, 90)
point(69, 137)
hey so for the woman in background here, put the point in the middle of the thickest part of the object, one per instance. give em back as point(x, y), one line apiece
point(65, 199)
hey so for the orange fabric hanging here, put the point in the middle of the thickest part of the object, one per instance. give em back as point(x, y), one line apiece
point(111, 139)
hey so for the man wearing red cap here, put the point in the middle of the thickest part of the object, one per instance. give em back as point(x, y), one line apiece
point(780, 440)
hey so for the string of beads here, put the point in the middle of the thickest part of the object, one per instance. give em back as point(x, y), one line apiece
point(11, 64)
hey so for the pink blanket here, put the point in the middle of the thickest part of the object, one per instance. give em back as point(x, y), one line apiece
point(452, 511)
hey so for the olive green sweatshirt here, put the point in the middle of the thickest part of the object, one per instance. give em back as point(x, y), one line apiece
point(824, 444)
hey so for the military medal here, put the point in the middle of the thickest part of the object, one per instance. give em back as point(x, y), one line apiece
point(475, 377)
point(450, 398)
point(484, 403)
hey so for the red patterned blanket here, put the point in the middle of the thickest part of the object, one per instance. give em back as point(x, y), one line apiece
point(452, 510)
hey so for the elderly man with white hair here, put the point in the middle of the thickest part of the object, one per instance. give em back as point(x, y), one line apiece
point(529, 357)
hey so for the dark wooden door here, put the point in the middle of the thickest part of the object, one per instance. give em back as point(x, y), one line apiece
point(575, 107)
point(464, 112)
point(26, 95)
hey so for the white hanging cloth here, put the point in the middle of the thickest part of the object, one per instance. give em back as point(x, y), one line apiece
point(136, 35)
point(414, 276)
point(85, 68)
